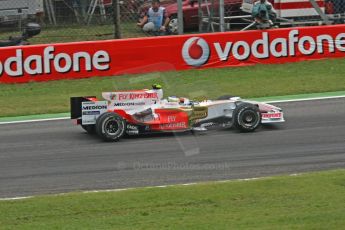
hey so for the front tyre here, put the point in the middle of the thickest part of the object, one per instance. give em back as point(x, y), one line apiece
point(246, 117)
point(110, 126)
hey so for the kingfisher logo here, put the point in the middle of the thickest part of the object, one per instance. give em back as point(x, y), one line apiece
point(195, 51)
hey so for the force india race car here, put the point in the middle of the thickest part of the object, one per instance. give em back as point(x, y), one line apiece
point(145, 111)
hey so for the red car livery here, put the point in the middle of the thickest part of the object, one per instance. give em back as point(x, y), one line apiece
point(145, 111)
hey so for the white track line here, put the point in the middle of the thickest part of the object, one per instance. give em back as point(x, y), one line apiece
point(34, 120)
point(277, 101)
point(150, 187)
point(306, 99)
point(16, 198)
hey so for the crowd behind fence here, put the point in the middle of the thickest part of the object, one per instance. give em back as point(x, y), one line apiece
point(80, 20)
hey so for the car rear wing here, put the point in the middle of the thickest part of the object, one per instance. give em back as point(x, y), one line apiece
point(76, 105)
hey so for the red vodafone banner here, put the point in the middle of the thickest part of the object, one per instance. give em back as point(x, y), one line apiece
point(116, 57)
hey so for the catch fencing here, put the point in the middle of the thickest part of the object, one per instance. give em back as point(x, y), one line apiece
point(86, 20)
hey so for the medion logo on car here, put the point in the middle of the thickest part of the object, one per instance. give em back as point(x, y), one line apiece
point(262, 48)
point(94, 107)
point(48, 62)
point(129, 104)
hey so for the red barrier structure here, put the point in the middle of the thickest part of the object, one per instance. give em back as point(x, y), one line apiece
point(130, 56)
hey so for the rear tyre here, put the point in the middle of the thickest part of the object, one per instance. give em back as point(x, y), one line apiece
point(110, 126)
point(246, 117)
point(90, 129)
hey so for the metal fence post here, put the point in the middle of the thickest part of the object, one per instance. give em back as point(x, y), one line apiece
point(319, 11)
point(221, 15)
point(200, 15)
point(180, 17)
point(211, 25)
point(117, 19)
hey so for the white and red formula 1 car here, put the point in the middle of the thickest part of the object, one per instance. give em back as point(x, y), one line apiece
point(145, 111)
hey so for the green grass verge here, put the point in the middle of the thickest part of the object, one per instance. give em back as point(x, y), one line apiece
point(247, 82)
point(73, 33)
point(309, 201)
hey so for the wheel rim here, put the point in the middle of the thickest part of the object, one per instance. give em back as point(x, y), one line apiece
point(249, 118)
point(173, 25)
point(113, 126)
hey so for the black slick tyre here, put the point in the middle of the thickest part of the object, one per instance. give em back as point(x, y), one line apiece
point(110, 126)
point(246, 117)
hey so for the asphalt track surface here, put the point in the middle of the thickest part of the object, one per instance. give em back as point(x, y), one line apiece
point(56, 156)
